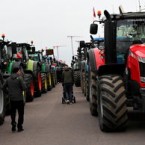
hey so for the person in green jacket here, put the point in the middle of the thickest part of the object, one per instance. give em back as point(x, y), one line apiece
point(67, 82)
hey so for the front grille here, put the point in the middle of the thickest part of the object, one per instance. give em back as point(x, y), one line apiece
point(142, 69)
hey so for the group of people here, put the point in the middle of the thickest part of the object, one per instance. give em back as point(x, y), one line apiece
point(15, 86)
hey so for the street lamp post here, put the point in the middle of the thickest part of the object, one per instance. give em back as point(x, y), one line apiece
point(57, 46)
point(71, 37)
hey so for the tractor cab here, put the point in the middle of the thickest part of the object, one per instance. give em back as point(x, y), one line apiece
point(18, 51)
point(37, 56)
point(3, 50)
point(122, 32)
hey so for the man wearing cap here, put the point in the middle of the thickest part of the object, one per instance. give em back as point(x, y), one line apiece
point(15, 86)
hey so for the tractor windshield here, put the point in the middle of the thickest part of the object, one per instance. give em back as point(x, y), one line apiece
point(36, 57)
point(129, 32)
point(9, 52)
point(4, 52)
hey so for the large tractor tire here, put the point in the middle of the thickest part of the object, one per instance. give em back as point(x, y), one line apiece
point(38, 85)
point(24, 97)
point(28, 78)
point(83, 81)
point(77, 80)
point(49, 82)
point(87, 89)
point(2, 107)
point(86, 82)
point(93, 93)
point(44, 82)
point(53, 79)
point(112, 106)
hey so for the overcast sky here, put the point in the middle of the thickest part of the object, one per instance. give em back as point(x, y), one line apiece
point(49, 22)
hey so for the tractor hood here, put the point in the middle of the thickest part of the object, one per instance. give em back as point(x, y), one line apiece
point(138, 50)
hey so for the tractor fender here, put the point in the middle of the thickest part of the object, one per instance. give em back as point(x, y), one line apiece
point(111, 69)
point(9, 67)
point(31, 67)
point(45, 68)
point(16, 64)
point(12, 65)
point(36, 68)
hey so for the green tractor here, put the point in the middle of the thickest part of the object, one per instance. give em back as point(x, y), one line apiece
point(52, 62)
point(31, 69)
point(45, 69)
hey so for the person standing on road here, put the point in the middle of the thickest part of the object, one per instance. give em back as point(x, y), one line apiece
point(15, 87)
point(67, 82)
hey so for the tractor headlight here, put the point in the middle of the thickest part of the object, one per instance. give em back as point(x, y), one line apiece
point(142, 79)
point(140, 59)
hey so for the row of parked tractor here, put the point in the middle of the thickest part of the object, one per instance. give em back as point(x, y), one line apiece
point(111, 70)
point(40, 71)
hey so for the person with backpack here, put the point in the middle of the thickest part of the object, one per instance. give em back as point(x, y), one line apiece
point(15, 86)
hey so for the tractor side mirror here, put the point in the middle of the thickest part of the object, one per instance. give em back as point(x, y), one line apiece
point(93, 28)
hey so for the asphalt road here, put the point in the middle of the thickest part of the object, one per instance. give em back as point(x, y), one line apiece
point(48, 122)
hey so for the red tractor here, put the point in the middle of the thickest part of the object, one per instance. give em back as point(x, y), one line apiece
point(117, 72)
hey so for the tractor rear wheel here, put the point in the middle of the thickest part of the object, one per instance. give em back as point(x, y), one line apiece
point(28, 78)
point(49, 82)
point(38, 85)
point(93, 93)
point(44, 82)
point(77, 80)
point(83, 82)
point(2, 107)
point(112, 106)
point(87, 92)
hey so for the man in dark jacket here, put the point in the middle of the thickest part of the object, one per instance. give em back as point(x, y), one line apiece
point(67, 82)
point(15, 86)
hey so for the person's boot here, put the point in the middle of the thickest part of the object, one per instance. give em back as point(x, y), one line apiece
point(20, 128)
point(13, 127)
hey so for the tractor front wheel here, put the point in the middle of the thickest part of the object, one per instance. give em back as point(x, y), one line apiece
point(112, 107)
